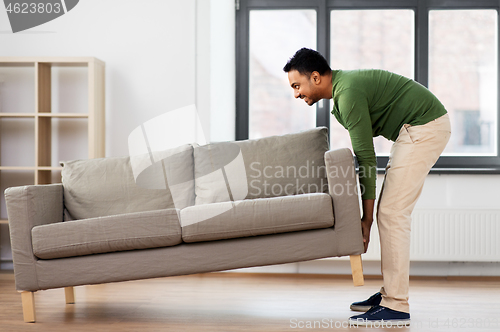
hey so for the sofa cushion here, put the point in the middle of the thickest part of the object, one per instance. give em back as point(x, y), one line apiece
point(106, 186)
point(225, 220)
point(267, 167)
point(107, 234)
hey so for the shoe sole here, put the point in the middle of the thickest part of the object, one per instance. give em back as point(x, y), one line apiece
point(380, 323)
point(361, 308)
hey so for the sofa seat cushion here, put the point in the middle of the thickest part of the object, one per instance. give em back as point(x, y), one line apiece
point(130, 231)
point(225, 220)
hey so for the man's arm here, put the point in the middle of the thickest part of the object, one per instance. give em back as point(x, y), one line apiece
point(367, 220)
point(353, 107)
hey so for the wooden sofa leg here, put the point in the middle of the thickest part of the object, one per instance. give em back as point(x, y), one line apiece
point(69, 293)
point(28, 299)
point(357, 270)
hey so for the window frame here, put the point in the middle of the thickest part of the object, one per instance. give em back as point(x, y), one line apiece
point(445, 164)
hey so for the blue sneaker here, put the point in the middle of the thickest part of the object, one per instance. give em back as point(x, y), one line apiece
point(381, 317)
point(366, 305)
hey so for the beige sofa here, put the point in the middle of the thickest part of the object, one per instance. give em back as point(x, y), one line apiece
point(274, 200)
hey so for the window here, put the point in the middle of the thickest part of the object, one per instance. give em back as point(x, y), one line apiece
point(271, 44)
point(463, 74)
point(450, 46)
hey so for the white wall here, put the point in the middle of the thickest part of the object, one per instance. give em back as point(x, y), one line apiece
point(461, 192)
point(148, 47)
point(223, 66)
point(215, 68)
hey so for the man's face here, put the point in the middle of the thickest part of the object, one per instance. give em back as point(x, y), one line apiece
point(304, 87)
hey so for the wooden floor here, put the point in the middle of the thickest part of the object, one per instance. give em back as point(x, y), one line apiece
point(242, 302)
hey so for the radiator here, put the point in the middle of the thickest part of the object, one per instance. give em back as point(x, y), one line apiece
point(460, 235)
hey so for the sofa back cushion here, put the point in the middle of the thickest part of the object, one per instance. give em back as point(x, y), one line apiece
point(106, 186)
point(260, 168)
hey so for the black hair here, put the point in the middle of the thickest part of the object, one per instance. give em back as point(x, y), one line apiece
point(305, 61)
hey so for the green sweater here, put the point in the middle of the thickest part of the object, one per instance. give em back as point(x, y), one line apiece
point(372, 102)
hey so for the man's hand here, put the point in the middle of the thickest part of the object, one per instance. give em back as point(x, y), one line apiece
point(367, 220)
point(366, 225)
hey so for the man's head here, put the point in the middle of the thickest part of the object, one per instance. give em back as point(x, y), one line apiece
point(309, 74)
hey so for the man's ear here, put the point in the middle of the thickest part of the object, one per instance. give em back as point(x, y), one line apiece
point(316, 77)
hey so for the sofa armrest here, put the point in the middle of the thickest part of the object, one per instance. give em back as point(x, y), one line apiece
point(343, 188)
point(27, 207)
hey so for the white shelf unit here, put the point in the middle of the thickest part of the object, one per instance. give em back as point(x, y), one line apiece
point(42, 171)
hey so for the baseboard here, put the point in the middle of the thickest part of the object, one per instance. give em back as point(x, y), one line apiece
point(372, 268)
point(343, 276)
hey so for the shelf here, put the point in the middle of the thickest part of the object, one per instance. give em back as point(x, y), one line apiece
point(63, 115)
point(17, 168)
point(17, 115)
point(17, 64)
point(17, 89)
point(52, 109)
point(44, 115)
point(49, 168)
point(19, 61)
point(17, 142)
point(30, 168)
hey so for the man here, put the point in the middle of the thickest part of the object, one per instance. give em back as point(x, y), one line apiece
point(369, 103)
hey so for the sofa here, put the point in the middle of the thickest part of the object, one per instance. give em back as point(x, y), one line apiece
point(192, 209)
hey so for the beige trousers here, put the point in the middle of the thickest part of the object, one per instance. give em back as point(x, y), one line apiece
point(415, 151)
